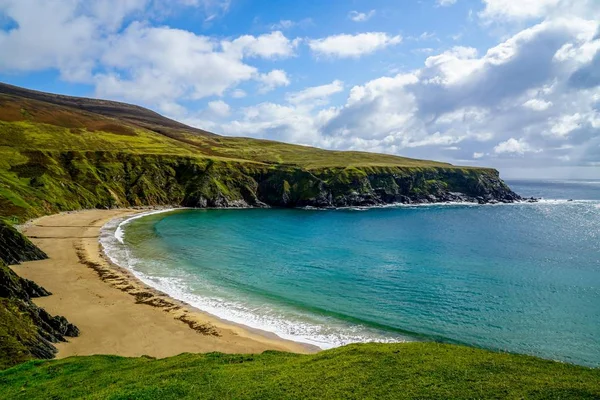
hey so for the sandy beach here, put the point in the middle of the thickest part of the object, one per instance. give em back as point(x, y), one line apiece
point(116, 313)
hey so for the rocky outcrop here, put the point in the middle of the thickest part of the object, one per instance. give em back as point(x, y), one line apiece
point(26, 330)
point(16, 248)
point(364, 187)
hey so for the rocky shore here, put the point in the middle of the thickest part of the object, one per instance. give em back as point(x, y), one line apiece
point(18, 313)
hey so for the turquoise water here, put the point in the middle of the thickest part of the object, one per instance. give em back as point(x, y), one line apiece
point(523, 278)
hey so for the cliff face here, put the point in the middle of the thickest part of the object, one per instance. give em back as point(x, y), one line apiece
point(16, 248)
point(26, 330)
point(60, 181)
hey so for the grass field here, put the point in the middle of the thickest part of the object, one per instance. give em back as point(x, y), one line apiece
point(382, 371)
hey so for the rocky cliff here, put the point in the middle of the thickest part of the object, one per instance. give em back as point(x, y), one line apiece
point(16, 248)
point(26, 330)
point(60, 181)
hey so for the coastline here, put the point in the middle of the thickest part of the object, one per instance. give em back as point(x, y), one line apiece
point(117, 313)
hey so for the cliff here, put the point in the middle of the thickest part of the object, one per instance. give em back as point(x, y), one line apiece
point(26, 330)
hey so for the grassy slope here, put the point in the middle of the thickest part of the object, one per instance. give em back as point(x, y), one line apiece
point(32, 124)
point(412, 370)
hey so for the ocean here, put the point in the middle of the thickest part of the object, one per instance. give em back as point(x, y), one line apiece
point(522, 278)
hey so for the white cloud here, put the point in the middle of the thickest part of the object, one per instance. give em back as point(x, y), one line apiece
point(512, 145)
point(522, 9)
point(318, 94)
point(285, 24)
point(477, 155)
point(271, 45)
point(445, 3)
point(510, 10)
point(272, 80)
point(219, 108)
point(352, 46)
point(158, 66)
point(566, 124)
point(361, 16)
point(156, 63)
point(537, 104)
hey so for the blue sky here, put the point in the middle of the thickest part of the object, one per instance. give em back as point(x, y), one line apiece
point(513, 85)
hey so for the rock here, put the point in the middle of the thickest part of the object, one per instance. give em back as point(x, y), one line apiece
point(15, 297)
point(16, 248)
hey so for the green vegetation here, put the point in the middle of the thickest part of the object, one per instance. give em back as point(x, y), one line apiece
point(17, 332)
point(383, 371)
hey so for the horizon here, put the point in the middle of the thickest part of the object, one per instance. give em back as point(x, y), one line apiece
point(477, 83)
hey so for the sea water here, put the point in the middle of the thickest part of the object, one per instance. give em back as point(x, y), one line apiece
point(523, 278)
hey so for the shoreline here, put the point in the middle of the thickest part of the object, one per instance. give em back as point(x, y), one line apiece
point(116, 312)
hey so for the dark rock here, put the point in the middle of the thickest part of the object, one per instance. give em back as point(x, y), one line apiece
point(15, 296)
point(16, 248)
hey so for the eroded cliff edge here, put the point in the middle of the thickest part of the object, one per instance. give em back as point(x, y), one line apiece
point(61, 181)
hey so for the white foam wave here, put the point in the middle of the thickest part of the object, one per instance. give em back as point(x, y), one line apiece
point(326, 333)
point(120, 234)
point(457, 204)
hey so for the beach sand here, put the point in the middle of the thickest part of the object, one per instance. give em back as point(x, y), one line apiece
point(115, 312)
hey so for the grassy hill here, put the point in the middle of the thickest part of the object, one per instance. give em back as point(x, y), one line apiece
point(382, 371)
point(108, 125)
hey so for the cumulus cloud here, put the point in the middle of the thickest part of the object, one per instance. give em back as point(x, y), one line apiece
point(272, 80)
point(150, 64)
point(510, 10)
point(219, 108)
point(272, 45)
point(316, 94)
point(353, 46)
point(537, 104)
point(512, 145)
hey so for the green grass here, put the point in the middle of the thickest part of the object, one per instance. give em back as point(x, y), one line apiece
point(31, 124)
point(17, 330)
point(383, 371)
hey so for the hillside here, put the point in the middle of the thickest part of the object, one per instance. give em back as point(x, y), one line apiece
point(382, 371)
point(63, 153)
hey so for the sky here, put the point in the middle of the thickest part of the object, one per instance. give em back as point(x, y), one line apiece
point(508, 84)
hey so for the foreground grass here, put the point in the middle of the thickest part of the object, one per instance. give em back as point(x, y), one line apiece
point(394, 371)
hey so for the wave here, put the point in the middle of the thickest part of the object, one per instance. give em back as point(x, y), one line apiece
point(120, 234)
point(541, 201)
